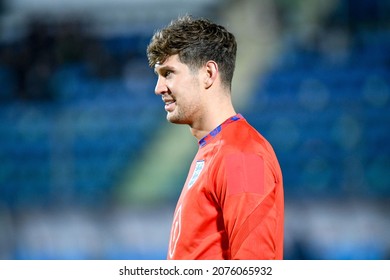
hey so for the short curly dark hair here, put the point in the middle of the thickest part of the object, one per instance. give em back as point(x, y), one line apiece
point(196, 41)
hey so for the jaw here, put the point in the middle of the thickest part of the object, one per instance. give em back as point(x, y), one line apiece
point(176, 115)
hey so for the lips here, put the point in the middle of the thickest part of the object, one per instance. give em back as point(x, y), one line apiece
point(169, 104)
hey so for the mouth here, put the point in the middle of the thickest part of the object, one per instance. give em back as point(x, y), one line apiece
point(169, 105)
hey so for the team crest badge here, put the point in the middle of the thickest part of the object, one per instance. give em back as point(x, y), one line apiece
point(198, 169)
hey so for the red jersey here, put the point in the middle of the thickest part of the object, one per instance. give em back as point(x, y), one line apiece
point(232, 205)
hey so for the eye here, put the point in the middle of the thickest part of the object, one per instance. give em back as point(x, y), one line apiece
point(167, 73)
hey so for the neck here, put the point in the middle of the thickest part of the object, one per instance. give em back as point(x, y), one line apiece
point(211, 119)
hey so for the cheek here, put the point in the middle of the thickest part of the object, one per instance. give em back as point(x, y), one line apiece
point(187, 93)
point(193, 104)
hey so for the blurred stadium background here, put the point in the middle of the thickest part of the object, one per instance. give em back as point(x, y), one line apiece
point(90, 169)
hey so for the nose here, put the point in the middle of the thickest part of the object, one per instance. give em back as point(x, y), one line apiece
point(161, 87)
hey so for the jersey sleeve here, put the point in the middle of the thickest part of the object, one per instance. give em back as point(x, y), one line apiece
point(252, 207)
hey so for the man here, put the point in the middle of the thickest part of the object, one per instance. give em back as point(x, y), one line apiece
point(231, 205)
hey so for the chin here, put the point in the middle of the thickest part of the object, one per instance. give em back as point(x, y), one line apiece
point(173, 118)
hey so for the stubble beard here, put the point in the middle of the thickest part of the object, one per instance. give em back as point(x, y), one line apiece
point(185, 112)
point(182, 115)
point(177, 117)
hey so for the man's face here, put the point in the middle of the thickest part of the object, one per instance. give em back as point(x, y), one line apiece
point(180, 90)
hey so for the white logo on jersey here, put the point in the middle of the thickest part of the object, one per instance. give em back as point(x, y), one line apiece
point(175, 232)
point(198, 168)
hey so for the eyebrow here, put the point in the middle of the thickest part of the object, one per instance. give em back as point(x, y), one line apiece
point(162, 68)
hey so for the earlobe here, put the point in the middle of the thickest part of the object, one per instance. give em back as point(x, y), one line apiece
point(211, 73)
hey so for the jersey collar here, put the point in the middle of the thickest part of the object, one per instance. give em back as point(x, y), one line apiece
point(203, 142)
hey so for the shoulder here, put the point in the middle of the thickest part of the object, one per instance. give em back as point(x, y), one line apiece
point(242, 144)
point(241, 137)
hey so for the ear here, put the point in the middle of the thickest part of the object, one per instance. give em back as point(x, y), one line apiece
point(211, 73)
